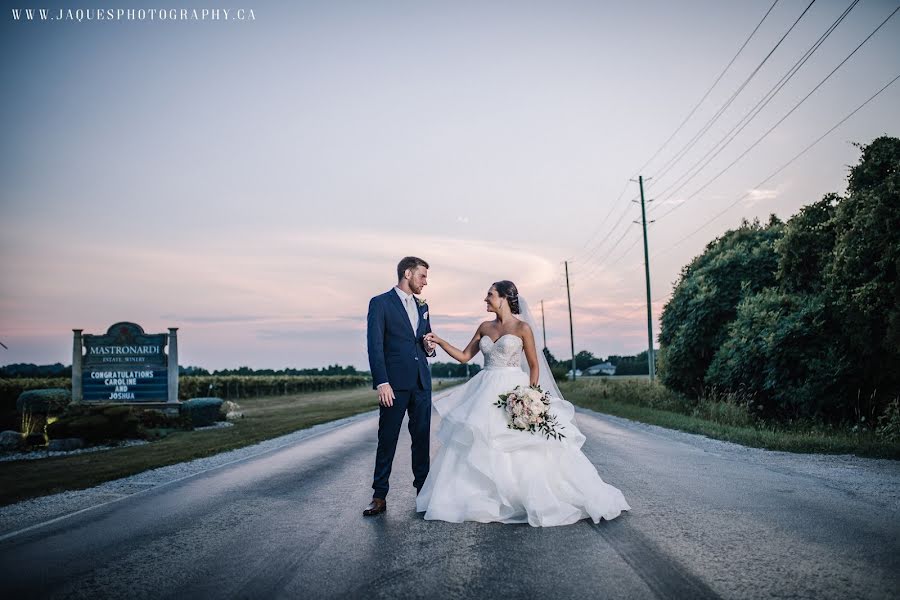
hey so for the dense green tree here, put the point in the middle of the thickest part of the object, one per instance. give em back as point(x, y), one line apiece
point(863, 279)
point(633, 365)
point(24, 370)
point(551, 360)
point(329, 370)
point(585, 359)
point(805, 249)
point(779, 355)
point(694, 320)
point(453, 369)
point(801, 318)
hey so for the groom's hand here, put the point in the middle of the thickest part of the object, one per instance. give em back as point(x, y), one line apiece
point(385, 395)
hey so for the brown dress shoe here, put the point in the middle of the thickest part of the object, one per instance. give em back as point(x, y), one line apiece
point(375, 507)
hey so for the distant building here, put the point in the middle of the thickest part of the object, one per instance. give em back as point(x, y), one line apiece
point(601, 369)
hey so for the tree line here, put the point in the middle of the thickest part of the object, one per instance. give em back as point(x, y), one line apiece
point(29, 370)
point(799, 319)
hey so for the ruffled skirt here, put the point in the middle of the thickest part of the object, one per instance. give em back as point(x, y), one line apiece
point(486, 472)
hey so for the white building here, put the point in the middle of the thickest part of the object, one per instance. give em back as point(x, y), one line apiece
point(601, 369)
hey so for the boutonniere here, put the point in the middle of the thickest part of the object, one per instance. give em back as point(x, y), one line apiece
point(421, 301)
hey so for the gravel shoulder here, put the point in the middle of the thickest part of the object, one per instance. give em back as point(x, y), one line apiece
point(875, 479)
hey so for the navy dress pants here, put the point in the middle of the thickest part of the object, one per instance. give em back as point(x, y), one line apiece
point(417, 404)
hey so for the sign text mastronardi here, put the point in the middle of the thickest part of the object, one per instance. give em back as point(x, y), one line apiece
point(126, 365)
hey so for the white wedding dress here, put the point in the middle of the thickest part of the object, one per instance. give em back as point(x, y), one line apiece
point(486, 472)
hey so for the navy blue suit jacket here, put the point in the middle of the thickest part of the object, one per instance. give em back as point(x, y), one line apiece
point(397, 354)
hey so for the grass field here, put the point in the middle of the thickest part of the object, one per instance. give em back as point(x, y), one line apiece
point(639, 400)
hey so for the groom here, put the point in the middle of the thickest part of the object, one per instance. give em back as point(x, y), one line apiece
point(397, 325)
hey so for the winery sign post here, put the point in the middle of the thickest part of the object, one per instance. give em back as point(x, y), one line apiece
point(125, 365)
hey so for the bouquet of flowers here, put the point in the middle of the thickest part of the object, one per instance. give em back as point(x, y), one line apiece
point(528, 409)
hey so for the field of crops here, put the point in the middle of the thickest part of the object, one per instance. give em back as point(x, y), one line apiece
point(192, 386)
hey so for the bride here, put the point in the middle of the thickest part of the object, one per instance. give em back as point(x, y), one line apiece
point(485, 471)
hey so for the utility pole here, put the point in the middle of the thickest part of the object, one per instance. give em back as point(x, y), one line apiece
point(650, 358)
point(571, 329)
point(543, 324)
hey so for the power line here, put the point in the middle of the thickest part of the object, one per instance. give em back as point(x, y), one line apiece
point(599, 264)
point(719, 78)
point(606, 219)
point(782, 167)
point(623, 254)
point(719, 146)
point(687, 147)
point(780, 121)
point(596, 248)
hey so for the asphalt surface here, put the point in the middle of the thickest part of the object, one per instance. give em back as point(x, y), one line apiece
point(709, 519)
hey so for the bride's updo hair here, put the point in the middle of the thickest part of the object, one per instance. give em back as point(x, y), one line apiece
point(507, 289)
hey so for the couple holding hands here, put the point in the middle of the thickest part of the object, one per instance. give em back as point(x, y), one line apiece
point(484, 470)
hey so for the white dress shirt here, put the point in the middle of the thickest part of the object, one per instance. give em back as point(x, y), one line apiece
point(409, 303)
point(412, 311)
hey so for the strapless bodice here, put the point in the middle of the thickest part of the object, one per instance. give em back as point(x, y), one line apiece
point(505, 352)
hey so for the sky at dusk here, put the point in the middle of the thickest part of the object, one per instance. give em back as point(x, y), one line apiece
point(255, 182)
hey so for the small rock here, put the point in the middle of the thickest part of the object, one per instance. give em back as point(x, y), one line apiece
point(228, 406)
point(10, 440)
point(65, 444)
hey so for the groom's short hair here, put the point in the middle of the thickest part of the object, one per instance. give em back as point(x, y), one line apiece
point(409, 262)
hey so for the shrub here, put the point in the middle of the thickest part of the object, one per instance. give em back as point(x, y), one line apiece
point(157, 419)
point(889, 422)
point(46, 401)
point(779, 350)
point(560, 372)
point(639, 392)
point(734, 408)
point(96, 423)
point(202, 411)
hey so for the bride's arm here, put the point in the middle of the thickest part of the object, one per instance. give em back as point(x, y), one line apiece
point(530, 354)
point(462, 356)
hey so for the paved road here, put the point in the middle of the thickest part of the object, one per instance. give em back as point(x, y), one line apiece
point(709, 519)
